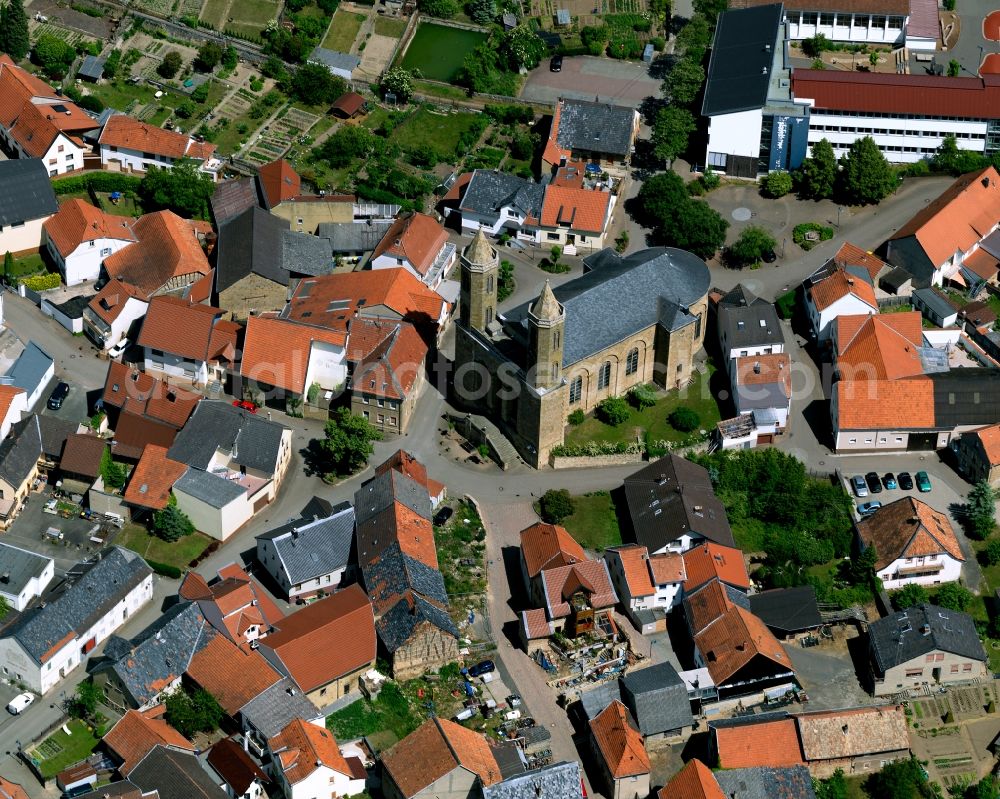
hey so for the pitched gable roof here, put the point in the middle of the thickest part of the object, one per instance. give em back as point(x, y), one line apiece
point(11, 790)
point(879, 347)
point(414, 237)
point(131, 134)
point(709, 561)
point(706, 604)
point(852, 255)
point(189, 330)
point(390, 367)
point(276, 351)
point(856, 732)
point(136, 734)
point(733, 640)
point(111, 300)
point(547, 546)
point(280, 182)
point(25, 191)
point(764, 743)
point(906, 403)
point(589, 576)
point(168, 248)
point(152, 478)
point(235, 766)
point(909, 528)
point(989, 438)
point(77, 222)
point(575, 208)
point(918, 631)
point(136, 392)
point(620, 742)
point(840, 284)
point(694, 781)
point(302, 747)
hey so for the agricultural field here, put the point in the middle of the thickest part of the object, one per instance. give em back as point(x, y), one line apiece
point(160, 8)
point(249, 17)
point(70, 37)
point(214, 13)
point(438, 51)
point(586, 12)
point(343, 31)
point(389, 26)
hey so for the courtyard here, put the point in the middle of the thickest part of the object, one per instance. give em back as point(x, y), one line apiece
point(588, 78)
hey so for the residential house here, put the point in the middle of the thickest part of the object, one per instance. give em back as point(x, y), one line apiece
point(787, 612)
point(648, 586)
point(80, 465)
point(884, 347)
point(342, 627)
point(769, 740)
point(545, 546)
point(307, 557)
point(403, 462)
point(340, 64)
point(26, 203)
point(78, 237)
point(439, 758)
point(130, 145)
point(656, 697)
point(573, 594)
point(54, 433)
point(620, 753)
point(234, 603)
point(934, 306)
point(239, 776)
point(418, 243)
point(136, 734)
point(748, 325)
point(13, 405)
point(39, 122)
point(762, 385)
point(268, 713)
point(20, 454)
point(32, 372)
point(23, 575)
point(278, 182)
point(914, 543)
point(281, 188)
point(46, 643)
point(950, 239)
point(353, 242)
point(188, 341)
point(11, 790)
point(595, 133)
point(844, 291)
point(924, 646)
point(218, 506)
point(704, 605)
point(114, 313)
point(233, 675)
point(673, 507)
point(557, 781)
point(150, 482)
point(977, 317)
point(174, 775)
point(978, 454)
point(710, 561)
point(307, 762)
point(697, 781)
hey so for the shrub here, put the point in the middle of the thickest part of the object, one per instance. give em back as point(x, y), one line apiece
point(555, 505)
point(799, 234)
point(786, 304)
point(164, 569)
point(614, 411)
point(684, 419)
point(992, 551)
point(41, 282)
point(643, 396)
point(578, 417)
point(776, 184)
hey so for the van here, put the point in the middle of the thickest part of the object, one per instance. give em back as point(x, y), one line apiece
point(19, 703)
point(116, 519)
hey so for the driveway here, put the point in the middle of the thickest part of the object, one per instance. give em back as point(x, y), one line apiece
point(589, 78)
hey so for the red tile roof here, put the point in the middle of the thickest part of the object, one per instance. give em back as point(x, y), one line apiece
point(982, 264)
point(634, 559)
point(11, 790)
point(989, 438)
point(140, 394)
point(883, 347)
point(563, 582)
point(706, 604)
point(280, 181)
point(415, 237)
point(553, 153)
point(575, 209)
point(733, 640)
point(852, 255)
point(192, 331)
point(302, 747)
point(276, 351)
point(694, 781)
point(909, 528)
point(111, 300)
point(168, 248)
point(136, 734)
point(349, 103)
point(547, 546)
point(390, 367)
point(709, 560)
point(757, 370)
point(233, 676)
point(327, 639)
point(151, 480)
point(77, 222)
point(7, 394)
point(839, 285)
point(536, 624)
point(235, 766)
point(619, 742)
point(667, 567)
point(769, 743)
point(130, 134)
point(907, 403)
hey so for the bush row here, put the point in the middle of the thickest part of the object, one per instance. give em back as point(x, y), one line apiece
point(44, 282)
point(164, 569)
point(96, 181)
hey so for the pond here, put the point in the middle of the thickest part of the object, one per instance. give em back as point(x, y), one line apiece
point(439, 50)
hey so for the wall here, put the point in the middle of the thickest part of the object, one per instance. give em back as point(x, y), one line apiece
point(891, 579)
point(32, 588)
point(845, 28)
point(72, 325)
point(326, 366)
point(219, 523)
point(20, 239)
point(428, 649)
point(134, 160)
point(736, 134)
point(165, 363)
point(252, 293)
point(39, 390)
point(895, 679)
point(459, 783)
point(18, 406)
point(133, 311)
point(331, 692)
point(594, 461)
point(823, 320)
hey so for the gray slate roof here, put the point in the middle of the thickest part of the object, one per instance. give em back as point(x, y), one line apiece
point(787, 609)
point(742, 59)
point(30, 368)
point(395, 627)
point(334, 59)
point(175, 775)
point(383, 490)
point(92, 67)
point(20, 451)
point(233, 197)
point(936, 302)
point(657, 698)
point(250, 243)
point(305, 254)
point(762, 782)
point(350, 237)
point(310, 548)
point(214, 491)
point(394, 572)
point(596, 699)
point(740, 315)
point(25, 191)
point(643, 289)
point(19, 566)
point(106, 579)
point(253, 441)
point(272, 711)
point(558, 781)
point(55, 431)
point(917, 631)
point(596, 127)
point(488, 191)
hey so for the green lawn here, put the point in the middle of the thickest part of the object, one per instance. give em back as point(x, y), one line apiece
point(440, 131)
point(179, 553)
point(653, 420)
point(388, 719)
point(343, 31)
point(214, 13)
point(437, 90)
point(438, 51)
point(28, 265)
point(60, 750)
point(250, 16)
point(458, 541)
point(390, 26)
point(594, 523)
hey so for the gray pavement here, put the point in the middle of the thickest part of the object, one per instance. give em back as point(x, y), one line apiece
point(588, 77)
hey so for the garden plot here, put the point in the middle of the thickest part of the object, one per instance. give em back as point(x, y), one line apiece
point(189, 8)
point(71, 37)
point(280, 135)
point(215, 13)
point(249, 17)
point(587, 11)
point(159, 8)
point(98, 27)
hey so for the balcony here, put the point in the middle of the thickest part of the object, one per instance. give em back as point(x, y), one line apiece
point(920, 569)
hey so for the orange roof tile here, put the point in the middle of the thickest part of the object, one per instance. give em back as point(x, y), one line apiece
point(280, 181)
point(414, 237)
point(303, 747)
point(989, 437)
point(168, 248)
point(136, 734)
point(131, 134)
point(962, 215)
point(852, 255)
point(276, 351)
point(76, 222)
point(140, 394)
point(635, 567)
point(111, 300)
point(193, 587)
point(11, 790)
point(770, 743)
point(575, 209)
point(982, 264)
point(879, 347)
point(192, 331)
point(233, 676)
point(709, 561)
point(553, 153)
point(694, 781)
point(563, 582)
point(619, 742)
point(706, 604)
point(536, 624)
point(151, 480)
point(7, 394)
point(391, 367)
point(667, 567)
point(733, 640)
point(907, 403)
point(756, 370)
point(909, 528)
point(839, 285)
point(546, 546)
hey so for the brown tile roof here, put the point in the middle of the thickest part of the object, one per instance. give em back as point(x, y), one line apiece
point(168, 248)
point(983, 264)
point(852, 255)
point(909, 528)
point(536, 624)
point(667, 567)
point(989, 437)
point(879, 347)
point(853, 733)
point(905, 404)
point(136, 734)
point(839, 285)
point(706, 604)
point(131, 134)
point(733, 640)
point(11, 790)
point(436, 748)
point(276, 351)
point(546, 546)
point(280, 181)
point(414, 237)
point(563, 582)
point(196, 332)
point(575, 208)
point(193, 587)
point(619, 742)
point(349, 103)
point(302, 747)
point(82, 454)
point(152, 478)
point(77, 221)
point(110, 301)
point(634, 559)
point(392, 366)
point(768, 743)
point(710, 560)
point(694, 781)
point(138, 393)
point(233, 676)
point(327, 639)
point(235, 766)
point(758, 370)
point(962, 215)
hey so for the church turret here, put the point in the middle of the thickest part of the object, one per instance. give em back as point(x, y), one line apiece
point(546, 323)
point(480, 273)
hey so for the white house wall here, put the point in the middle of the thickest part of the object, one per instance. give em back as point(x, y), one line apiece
point(841, 27)
point(736, 134)
point(219, 523)
point(33, 588)
point(19, 238)
point(326, 366)
point(950, 572)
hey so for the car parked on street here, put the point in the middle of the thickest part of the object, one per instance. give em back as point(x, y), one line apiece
point(859, 485)
point(555, 63)
point(245, 405)
point(923, 482)
point(874, 482)
point(20, 703)
point(483, 667)
point(889, 481)
point(58, 396)
point(905, 481)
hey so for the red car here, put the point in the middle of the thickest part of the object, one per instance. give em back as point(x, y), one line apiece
point(245, 405)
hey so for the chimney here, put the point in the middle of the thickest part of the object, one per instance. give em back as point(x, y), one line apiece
point(5, 577)
point(925, 629)
point(844, 729)
point(756, 368)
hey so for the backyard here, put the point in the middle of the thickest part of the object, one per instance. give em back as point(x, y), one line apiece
point(461, 552)
point(389, 26)
point(249, 17)
point(438, 51)
point(390, 718)
point(594, 523)
point(60, 750)
point(434, 129)
point(179, 553)
point(343, 31)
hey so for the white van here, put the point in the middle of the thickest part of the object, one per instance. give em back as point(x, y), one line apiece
point(19, 703)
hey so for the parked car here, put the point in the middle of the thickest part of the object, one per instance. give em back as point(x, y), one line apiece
point(874, 482)
point(118, 350)
point(514, 700)
point(923, 482)
point(889, 481)
point(19, 703)
point(905, 481)
point(859, 486)
point(483, 667)
point(868, 508)
point(442, 516)
point(769, 257)
point(58, 396)
point(555, 64)
point(245, 405)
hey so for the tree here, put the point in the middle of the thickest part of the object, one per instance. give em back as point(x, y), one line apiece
point(350, 142)
point(185, 110)
point(986, 788)
point(658, 197)
point(696, 227)
point(193, 712)
point(230, 58)
point(816, 46)
point(954, 69)
point(953, 596)
point(992, 551)
point(4, 607)
point(83, 703)
point(866, 177)
point(53, 55)
point(980, 510)
point(316, 85)
point(710, 8)
point(818, 174)
point(752, 245)
point(8, 267)
point(556, 505)
point(170, 65)
point(483, 12)
point(14, 39)
point(684, 419)
point(873, 59)
point(520, 47)
point(208, 58)
point(694, 38)
point(642, 396)
point(902, 779)
point(172, 523)
point(776, 184)
point(113, 474)
point(91, 102)
point(505, 280)
point(909, 596)
point(398, 81)
point(348, 442)
point(671, 132)
point(834, 787)
point(273, 67)
point(442, 9)
point(613, 411)
point(863, 565)
point(684, 82)
point(182, 189)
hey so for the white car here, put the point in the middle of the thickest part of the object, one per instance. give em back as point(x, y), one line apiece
point(116, 351)
point(20, 703)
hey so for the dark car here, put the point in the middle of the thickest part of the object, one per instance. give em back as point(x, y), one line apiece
point(905, 481)
point(923, 482)
point(483, 667)
point(874, 482)
point(889, 481)
point(442, 516)
point(769, 257)
point(555, 64)
point(59, 394)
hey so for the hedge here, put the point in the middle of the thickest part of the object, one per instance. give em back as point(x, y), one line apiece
point(44, 282)
point(164, 569)
point(96, 181)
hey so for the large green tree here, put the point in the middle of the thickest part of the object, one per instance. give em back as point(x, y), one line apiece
point(208, 58)
point(350, 142)
point(903, 779)
point(909, 596)
point(170, 65)
point(399, 81)
point(980, 511)
point(14, 39)
point(694, 38)
point(348, 443)
point(183, 189)
point(953, 596)
point(114, 474)
point(171, 523)
point(483, 12)
point(752, 245)
point(658, 197)
point(684, 81)
point(193, 712)
point(671, 132)
point(83, 703)
point(695, 226)
point(834, 787)
point(520, 47)
point(316, 85)
point(555, 505)
point(866, 177)
point(710, 8)
point(53, 55)
point(817, 176)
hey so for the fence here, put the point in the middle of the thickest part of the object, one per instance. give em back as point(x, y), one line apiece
point(893, 302)
point(27, 293)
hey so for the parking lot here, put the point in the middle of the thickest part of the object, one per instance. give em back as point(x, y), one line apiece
point(29, 532)
point(587, 78)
